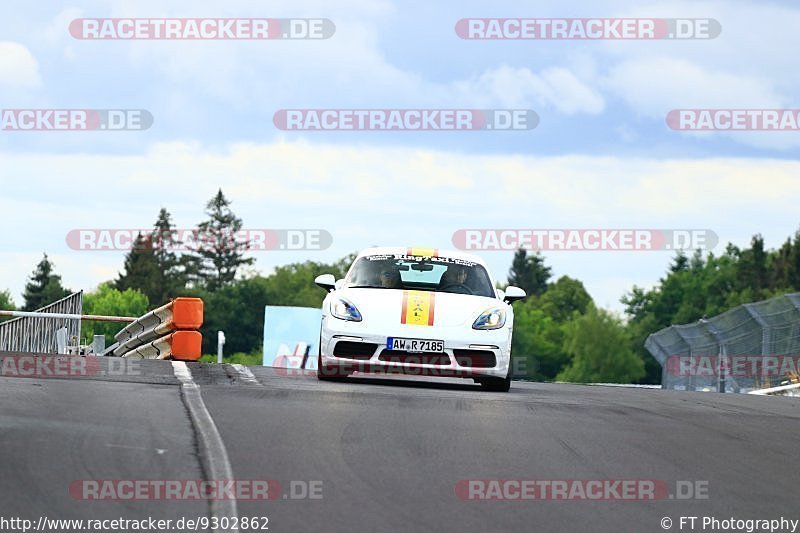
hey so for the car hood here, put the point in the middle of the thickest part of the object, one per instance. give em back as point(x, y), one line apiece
point(385, 307)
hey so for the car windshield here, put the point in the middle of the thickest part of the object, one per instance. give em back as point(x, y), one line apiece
point(440, 274)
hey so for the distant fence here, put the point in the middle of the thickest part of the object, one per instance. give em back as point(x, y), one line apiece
point(39, 334)
point(752, 346)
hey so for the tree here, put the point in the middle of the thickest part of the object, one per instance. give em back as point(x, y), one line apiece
point(707, 286)
point(141, 271)
point(752, 268)
point(536, 346)
point(6, 303)
point(780, 267)
point(170, 276)
point(219, 253)
point(794, 263)
point(599, 350)
point(238, 307)
point(109, 301)
point(529, 272)
point(43, 287)
point(564, 299)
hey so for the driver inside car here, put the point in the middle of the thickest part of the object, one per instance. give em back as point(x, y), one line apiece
point(454, 275)
point(388, 277)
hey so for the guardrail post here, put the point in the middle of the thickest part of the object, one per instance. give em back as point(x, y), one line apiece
point(98, 344)
point(220, 344)
point(766, 333)
point(61, 341)
point(691, 385)
point(653, 345)
point(721, 356)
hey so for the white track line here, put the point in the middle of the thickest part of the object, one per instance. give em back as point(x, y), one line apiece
point(245, 374)
point(213, 454)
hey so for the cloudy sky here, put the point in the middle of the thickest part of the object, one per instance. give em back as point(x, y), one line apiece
point(601, 156)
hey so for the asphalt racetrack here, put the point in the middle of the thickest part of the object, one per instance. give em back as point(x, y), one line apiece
point(394, 454)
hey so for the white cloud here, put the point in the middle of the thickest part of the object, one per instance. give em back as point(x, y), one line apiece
point(367, 195)
point(18, 68)
point(654, 85)
point(554, 87)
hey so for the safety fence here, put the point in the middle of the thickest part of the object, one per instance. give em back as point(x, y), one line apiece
point(44, 334)
point(750, 347)
point(169, 332)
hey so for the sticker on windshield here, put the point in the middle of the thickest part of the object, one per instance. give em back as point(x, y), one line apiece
point(423, 252)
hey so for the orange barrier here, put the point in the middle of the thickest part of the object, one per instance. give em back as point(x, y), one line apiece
point(168, 332)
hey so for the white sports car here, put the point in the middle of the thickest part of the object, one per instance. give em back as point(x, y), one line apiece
point(417, 311)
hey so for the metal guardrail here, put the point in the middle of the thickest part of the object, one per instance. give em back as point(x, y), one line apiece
point(752, 346)
point(164, 333)
point(37, 334)
point(783, 390)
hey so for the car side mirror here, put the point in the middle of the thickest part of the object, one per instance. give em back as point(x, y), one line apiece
point(513, 294)
point(326, 281)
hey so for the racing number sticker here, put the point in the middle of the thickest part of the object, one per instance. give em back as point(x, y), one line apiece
point(418, 307)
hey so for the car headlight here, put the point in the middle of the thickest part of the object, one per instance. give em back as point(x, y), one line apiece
point(345, 310)
point(490, 319)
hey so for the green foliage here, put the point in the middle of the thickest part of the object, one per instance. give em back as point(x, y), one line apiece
point(539, 326)
point(564, 299)
point(6, 303)
point(700, 286)
point(170, 276)
point(537, 341)
point(220, 256)
point(43, 287)
point(238, 308)
point(558, 331)
point(141, 269)
point(529, 273)
point(598, 346)
point(152, 266)
point(248, 359)
point(109, 301)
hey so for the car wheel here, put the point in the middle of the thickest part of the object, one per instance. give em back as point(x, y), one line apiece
point(329, 373)
point(497, 384)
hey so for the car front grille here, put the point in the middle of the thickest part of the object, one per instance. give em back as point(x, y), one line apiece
point(354, 350)
point(475, 358)
point(421, 358)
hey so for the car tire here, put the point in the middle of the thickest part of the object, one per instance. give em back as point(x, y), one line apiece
point(497, 384)
point(329, 373)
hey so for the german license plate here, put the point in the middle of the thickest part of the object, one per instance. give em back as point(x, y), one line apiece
point(414, 345)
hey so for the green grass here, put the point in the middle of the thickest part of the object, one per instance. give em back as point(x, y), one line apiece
point(248, 359)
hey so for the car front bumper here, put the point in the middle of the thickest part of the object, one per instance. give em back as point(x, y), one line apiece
point(467, 352)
